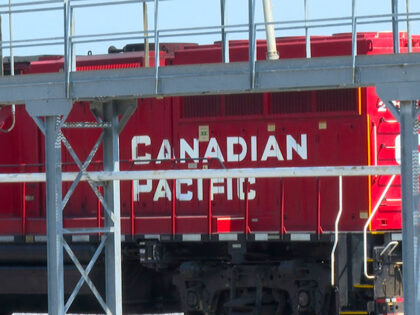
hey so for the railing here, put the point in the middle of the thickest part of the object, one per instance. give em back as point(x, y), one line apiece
point(70, 39)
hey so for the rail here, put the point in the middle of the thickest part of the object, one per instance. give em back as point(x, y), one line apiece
point(71, 39)
point(336, 229)
point(369, 220)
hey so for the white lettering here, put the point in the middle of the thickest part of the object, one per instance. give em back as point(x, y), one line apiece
point(162, 191)
point(135, 142)
point(213, 150)
point(231, 142)
point(253, 148)
point(200, 189)
point(184, 148)
point(164, 151)
point(217, 189)
point(272, 150)
point(186, 196)
point(241, 189)
point(138, 188)
point(229, 188)
point(301, 150)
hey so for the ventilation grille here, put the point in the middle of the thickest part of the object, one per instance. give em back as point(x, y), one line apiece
point(201, 106)
point(243, 104)
point(336, 100)
point(291, 102)
point(314, 101)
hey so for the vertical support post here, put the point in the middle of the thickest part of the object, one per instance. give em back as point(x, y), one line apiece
point(12, 56)
point(307, 36)
point(173, 215)
point(72, 33)
point(252, 41)
point(354, 38)
point(225, 42)
point(410, 204)
point(54, 216)
point(1, 49)
point(410, 44)
point(23, 208)
point(282, 225)
point(146, 34)
point(318, 212)
point(157, 50)
point(395, 29)
point(247, 230)
point(132, 213)
point(112, 198)
point(67, 62)
point(210, 210)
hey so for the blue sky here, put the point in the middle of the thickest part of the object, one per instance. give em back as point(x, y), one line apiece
point(188, 13)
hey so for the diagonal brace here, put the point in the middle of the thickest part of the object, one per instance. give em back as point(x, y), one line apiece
point(86, 278)
point(88, 269)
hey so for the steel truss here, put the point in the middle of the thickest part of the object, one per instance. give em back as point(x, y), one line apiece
point(110, 200)
point(397, 77)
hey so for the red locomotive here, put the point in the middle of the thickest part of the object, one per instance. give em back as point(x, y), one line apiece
point(220, 246)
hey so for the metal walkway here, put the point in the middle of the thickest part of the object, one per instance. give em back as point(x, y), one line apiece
point(397, 77)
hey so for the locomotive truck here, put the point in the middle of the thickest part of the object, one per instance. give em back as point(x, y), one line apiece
point(221, 246)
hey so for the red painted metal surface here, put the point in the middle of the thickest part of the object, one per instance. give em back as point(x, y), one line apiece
point(312, 128)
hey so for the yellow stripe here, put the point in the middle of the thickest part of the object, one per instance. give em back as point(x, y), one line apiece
point(359, 94)
point(363, 286)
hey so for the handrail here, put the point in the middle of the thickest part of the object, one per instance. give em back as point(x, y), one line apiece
point(268, 172)
point(337, 221)
point(69, 39)
point(394, 245)
point(375, 209)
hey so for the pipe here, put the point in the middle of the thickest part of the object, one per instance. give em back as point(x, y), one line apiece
point(272, 53)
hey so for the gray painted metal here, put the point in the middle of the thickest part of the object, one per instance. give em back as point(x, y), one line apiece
point(353, 39)
point(271, 172)
point(410, 44)
point(223, 22)
point(85, 276)
point(307, 36)
point(54, 216)
point(410, 203)
point(87, 270)
point(395, 26)
point(112, 197)
point(397, 75)
point(252, 48)
point(157, 47)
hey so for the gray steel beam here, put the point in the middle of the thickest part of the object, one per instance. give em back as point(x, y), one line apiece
point(112, 198)
point(54, 216)
point(394, 72)
point(410, 204)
